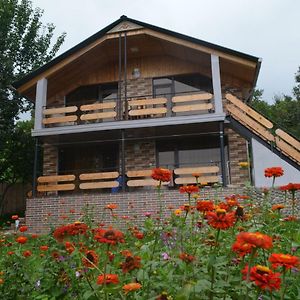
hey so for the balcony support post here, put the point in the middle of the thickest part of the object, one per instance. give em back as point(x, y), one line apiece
point(216, 81)
point(35, 166)
point(40, 103)
point(123, 170)
point(222, 154)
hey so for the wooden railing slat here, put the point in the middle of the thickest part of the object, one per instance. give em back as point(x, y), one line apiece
point(147, 111)
point(144, 182)
point(94, 176)
point(251, 112)
point(201, 179)
point(287, 149)
point(95, 106)
point(55, 120)
point(98, 185)
point(192, 107)
point(56, 187)
point(94, 116)
point(152, 101)
point(60, 110)
point(249, 122)
point(55, 178)
point(288, 138)
point(194, 97)
point(200, 170)
point(140, 173)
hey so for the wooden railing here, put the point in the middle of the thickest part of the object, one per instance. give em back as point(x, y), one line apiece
point(55, 183)
point(261, 126)
point(147, 107)
point(141, 178)
point(107, 180)
point(58, 115)
point(98, 111)
point(207, 174)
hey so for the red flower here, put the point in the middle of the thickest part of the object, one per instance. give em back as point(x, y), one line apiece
point(23, 228)
point(109, 236)
point(131, 287)
point(108, 278)
point(69, 230)
point(277, 207)
point(186, 257)
point(27, 253)
point(139, 235)
point(291, 187)
point(284, 260)
point(70, 247)
point(242, 248)
point(44, 248)
point(131, 263)
point(91, 259)
point(263, 277)
point(163, 175)
point(189, 189)
point(220, 219)
point(232, 200)
point(255, 239)
point(273, 172)
point(111, 206)
point(205, 205)
point(15, 217)
point(21, 239)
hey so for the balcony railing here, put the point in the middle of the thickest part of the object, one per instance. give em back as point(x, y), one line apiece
point(130, 109)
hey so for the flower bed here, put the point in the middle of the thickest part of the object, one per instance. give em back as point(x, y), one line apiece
point(205, 249)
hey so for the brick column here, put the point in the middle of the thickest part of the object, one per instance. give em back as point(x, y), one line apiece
point(50, 162)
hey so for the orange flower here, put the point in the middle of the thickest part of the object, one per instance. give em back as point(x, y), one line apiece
point(70, 247)
point(107, 279)
point(69, 230)
point(23, 228)
point(131, 287)
point(27, 253)
point(290, 218)
point(91, 259)
point(273, 172)
point(15, 217)
point(139, 235)
point(111, 206)
point(263, 277)
point(34, 236)
point(242, 248)
point(284, 260)
point(197, 175)
point(186, 257)
point(291, 187)
point(1, 280)
point(189, 189)
point(44, 248)
point(220, 219)
point(163, 175)
point(21, 239)
point(255, 239)
point(131, 263)
point(10, 252)
point(109, 236)
point(205, 205)
point(126, 253)
point(277, 207)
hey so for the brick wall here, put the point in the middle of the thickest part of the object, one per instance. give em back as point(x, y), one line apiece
point(42, 213)
point(50, 159)
point(237, 153)
point(138, 87)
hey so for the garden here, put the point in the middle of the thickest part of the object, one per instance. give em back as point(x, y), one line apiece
point(233, 248)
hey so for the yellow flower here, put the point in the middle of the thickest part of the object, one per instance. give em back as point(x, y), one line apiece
point(178, 212)
point(244, 164)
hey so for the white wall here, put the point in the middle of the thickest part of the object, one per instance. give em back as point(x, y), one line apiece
point(264, 158)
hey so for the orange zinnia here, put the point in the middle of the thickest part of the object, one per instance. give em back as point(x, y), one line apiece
point(220, 219)
point(186, 257)
point(189, 189)
point(133, 286)
point(44, 248)
point(111, 206)
point(69, 230)
point(284, 260)
point(27, 253)
point(277, 207)
point(107, 279)
point(23, 228)
point(291, 187)
point(256, 239)
point(242, 248)
point(131, 263)
point(21, 239)
point(205, 205)
point(163, 175)
point(273, 172)
point(109, 236)
point(15, 217)
point(91, 259)
point(263, 277)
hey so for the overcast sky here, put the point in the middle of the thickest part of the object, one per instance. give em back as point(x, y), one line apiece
point(269, 29)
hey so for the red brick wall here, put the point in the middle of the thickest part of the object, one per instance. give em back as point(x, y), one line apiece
point(50, 159)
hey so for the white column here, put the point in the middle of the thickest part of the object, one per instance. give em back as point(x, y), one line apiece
point(216, 81)
point(40, 103)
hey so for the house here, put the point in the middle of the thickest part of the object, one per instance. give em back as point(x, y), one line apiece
point(135, 96)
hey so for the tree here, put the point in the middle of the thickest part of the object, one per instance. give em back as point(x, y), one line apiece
point(25, 45)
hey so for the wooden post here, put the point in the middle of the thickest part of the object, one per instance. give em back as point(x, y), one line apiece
point(123, 173)
point(40, 103)
point(35, 166)
point(222, 154)
point(216, 81)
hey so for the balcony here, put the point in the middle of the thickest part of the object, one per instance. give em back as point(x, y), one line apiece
point(130, 113)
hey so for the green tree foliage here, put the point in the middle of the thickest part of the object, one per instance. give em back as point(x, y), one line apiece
point(285, 111)
point(25, 45)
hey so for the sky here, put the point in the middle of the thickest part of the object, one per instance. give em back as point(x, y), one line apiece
point(269, 29)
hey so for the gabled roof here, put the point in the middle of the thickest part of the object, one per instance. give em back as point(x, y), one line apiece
point(113, 25)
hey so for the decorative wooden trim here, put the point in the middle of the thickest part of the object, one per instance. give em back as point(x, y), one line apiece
point(288, 138)
point(199, 170)
point(55, 178)
point(94, 176)
point(56, 187)
point(252, 113)
point(192, 180)
point(105, 105)
point(249, 122)
point(287, 149)
point(141, 173)
point(60, 110)
point(98, 185)
point(147, 111)
point(195, 107)
point(152, 101)
point(94, 116)
point(144, 182)
point(55, 120)
point(194, 97)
